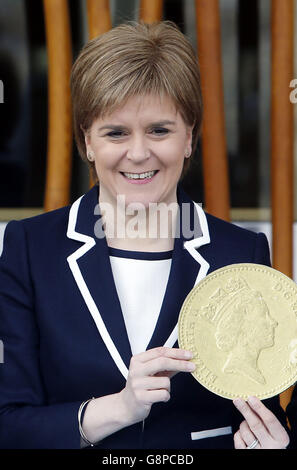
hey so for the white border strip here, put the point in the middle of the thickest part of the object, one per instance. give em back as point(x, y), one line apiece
point(211, 433)
point(191, 245)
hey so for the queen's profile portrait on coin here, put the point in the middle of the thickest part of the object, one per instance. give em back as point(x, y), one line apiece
point(244, 328)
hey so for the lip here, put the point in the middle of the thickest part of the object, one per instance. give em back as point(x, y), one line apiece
point(139, 181)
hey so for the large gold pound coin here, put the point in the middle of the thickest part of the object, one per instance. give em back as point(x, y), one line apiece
point(240, 322)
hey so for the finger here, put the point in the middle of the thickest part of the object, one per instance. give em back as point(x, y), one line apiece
point(254, 422)
point(238, 441)
point(269, 419)
point(167, 364)
point(155, 396)
point(155, 383)
point(275, 428)
point(174, 353)
point(246, 434)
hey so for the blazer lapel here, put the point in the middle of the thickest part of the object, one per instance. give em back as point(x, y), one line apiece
point(92, 272)
point(90, 266)
point(187, 269)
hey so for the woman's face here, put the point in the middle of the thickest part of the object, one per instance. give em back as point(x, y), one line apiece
point(261, 325)
point(139, 151)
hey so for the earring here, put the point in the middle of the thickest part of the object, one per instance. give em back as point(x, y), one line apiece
point(187, 154)
point(90, 156)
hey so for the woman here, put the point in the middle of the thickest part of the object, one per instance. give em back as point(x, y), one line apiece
point(88, 310)
point(245, 327)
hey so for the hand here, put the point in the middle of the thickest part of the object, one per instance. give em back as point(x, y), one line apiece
point(149, 377)
point(259, 424)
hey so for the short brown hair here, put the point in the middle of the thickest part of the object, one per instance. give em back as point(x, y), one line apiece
point(135, 59)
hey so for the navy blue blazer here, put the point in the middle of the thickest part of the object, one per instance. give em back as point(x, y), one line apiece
point(65, 339)
point(292, 416)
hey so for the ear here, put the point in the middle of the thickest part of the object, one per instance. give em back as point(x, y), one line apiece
point(189, 140)
point(87, 138)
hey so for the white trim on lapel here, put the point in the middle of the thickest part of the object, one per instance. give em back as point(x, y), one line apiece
point(72, 260)
point(191, 246)
point(89, 242)
point(204, 239)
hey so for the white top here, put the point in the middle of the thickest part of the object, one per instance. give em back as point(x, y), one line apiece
point(141, 280)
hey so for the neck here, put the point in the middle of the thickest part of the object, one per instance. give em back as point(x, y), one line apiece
point(245, 361)
point(138, 228)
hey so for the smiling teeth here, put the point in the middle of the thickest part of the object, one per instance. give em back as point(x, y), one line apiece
point(136, 176)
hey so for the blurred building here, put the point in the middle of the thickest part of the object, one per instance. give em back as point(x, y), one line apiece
point(245, 33)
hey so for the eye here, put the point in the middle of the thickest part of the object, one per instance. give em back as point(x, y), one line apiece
point(116, 134)
point(159, 131)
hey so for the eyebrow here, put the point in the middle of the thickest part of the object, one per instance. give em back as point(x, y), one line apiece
point(152, 124)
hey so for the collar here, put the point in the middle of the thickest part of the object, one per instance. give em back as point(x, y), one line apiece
point(89, 263)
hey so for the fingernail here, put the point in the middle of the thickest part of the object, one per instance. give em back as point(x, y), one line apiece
point(191, 366)
point(237, 402)
point(252, 400)
point(188, 354)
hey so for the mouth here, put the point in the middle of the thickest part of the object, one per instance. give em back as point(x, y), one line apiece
point(144, 177)
point(141, 176)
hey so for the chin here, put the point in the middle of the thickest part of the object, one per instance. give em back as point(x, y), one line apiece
point(134, 202)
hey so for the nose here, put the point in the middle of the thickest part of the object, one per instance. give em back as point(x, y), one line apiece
point(138, 150)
